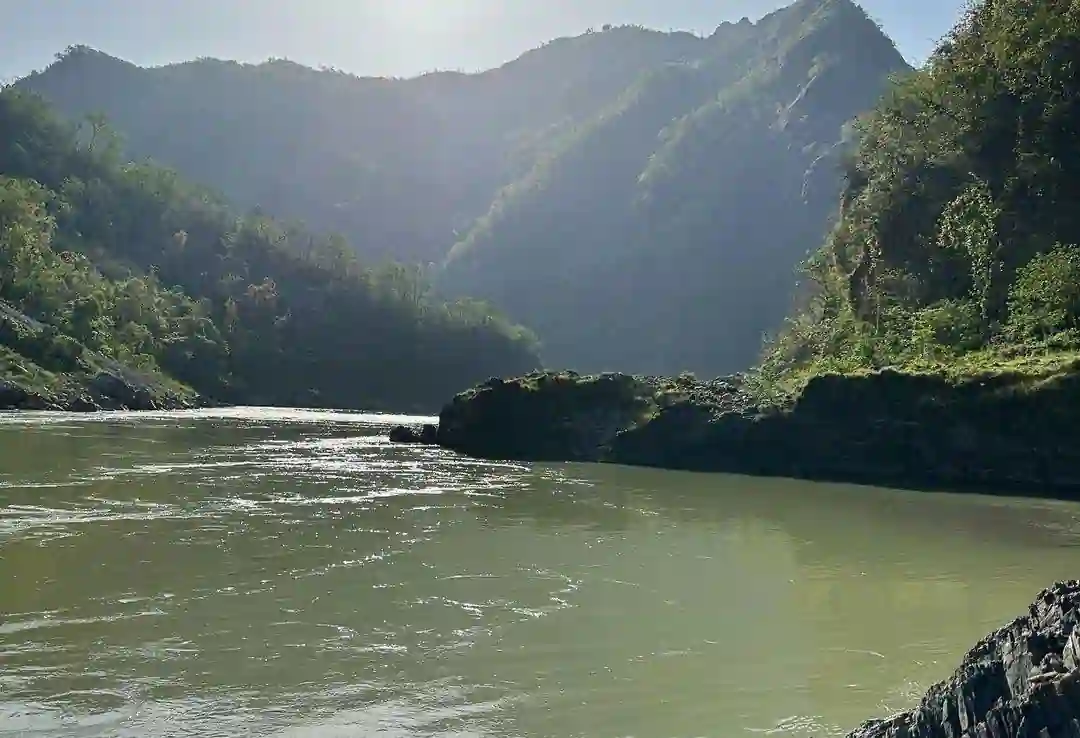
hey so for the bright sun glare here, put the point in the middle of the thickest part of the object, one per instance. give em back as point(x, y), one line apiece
point(433, 16)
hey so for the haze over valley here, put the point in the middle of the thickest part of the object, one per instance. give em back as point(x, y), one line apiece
point(638, 199)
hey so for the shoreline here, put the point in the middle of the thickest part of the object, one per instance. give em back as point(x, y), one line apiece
point(999, 435)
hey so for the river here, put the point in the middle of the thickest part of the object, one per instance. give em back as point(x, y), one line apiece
point(288, 573)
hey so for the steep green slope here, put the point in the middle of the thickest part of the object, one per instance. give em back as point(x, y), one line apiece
point(663, 234)
point(957, 242)
point(260, 312)
point(395, 165)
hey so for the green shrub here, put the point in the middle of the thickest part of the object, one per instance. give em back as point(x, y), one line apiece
point(950, 325)
point(1045, 297)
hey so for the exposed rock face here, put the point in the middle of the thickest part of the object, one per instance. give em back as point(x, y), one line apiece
point(1001, 432)
point(12, 395)
point(115, 390)
point(1022, 681)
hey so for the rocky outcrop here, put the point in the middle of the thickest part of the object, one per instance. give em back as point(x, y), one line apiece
point(546, 416)
point(427, 434)
point(994, 432)
point(1022, 681)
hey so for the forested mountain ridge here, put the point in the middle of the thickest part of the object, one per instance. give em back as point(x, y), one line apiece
point(113, 272)
point(640, 198)
point(396, 165)
point(958, 242)
point(665, 235)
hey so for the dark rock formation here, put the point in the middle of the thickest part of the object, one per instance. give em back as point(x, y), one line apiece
point(118, 393)
point(404, 434)
point(997, 432)
point(1022, 681)
point(12, 396)
point(545, 416)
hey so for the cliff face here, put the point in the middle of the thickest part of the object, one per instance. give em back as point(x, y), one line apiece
point(1021, 681)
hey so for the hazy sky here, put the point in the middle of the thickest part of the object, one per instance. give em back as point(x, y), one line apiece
point(381, 37)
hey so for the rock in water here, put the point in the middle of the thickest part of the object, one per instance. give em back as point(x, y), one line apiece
point(427, 434)
point(1022, 681)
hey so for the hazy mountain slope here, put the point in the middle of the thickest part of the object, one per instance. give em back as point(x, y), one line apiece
point(104, 262)
point(664, 234)
point(395, 165)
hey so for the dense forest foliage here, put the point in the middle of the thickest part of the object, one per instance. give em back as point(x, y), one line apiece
point(639, 198)
point(105, 261)
point(958, 241)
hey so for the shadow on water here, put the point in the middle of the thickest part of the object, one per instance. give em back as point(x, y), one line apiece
point(615, 498)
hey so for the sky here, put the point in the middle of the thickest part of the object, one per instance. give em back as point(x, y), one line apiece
point(383, 37)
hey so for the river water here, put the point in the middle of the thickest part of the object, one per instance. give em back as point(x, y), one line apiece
point(284, 573)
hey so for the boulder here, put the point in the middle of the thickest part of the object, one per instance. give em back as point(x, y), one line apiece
point(115, 390)
point(12, 396)
point(428, 434)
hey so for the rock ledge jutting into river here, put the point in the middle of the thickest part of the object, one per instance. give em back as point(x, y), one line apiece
point(1021, 681)
point(998, 432)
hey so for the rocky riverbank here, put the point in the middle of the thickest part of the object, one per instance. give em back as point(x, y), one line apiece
point(41, 369)
point(1021, 681)
point(1002, 431)
point(117, 390)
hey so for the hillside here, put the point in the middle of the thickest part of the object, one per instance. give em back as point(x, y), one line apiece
point(664, 234)
point(958, 243)
point(396, 165)
point(119, 280)
point(639, 198)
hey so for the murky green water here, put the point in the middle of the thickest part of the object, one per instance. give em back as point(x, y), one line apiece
point(290, 574)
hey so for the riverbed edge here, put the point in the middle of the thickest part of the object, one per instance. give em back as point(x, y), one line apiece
point(1009, 433)
point(104, 391)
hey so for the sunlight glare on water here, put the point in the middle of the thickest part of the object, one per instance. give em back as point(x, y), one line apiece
point(286, 573)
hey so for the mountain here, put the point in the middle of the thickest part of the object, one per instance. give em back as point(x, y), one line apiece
point(957, 246)
point(639, 198)
point(664, 234)
point(396, 165)
point(113, 273)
